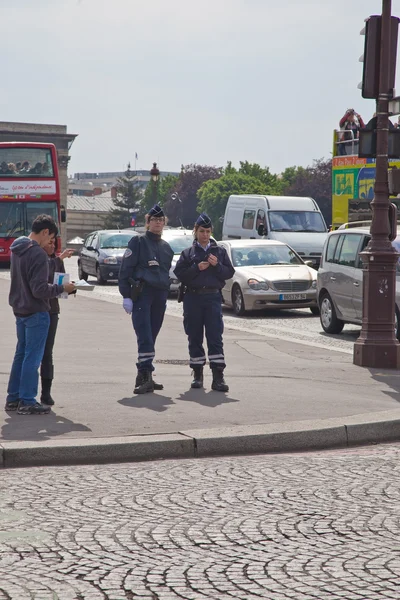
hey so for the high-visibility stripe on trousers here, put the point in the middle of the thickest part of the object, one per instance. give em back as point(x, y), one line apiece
point(147, 317)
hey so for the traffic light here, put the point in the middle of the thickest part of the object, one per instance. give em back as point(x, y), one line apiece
point(370, 59)
point(372, 54)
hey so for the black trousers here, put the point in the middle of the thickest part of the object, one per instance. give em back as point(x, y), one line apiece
point(47, 366)
point(203, 312)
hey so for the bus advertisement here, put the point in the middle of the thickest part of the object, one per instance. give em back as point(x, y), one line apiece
point(29, 186)
point(353, 181)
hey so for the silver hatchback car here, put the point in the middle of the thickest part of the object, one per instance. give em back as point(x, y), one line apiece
point(340, 279)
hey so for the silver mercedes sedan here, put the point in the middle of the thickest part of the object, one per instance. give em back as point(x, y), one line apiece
point(268, 274)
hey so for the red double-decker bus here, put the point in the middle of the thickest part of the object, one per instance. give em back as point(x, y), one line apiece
point(29, 186)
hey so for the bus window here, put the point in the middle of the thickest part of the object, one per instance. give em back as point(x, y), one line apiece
point(25, 162)
point(33, 209)
point(11, 219)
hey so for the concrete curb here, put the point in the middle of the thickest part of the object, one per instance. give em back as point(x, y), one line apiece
point(256, 439)
point(95, 450)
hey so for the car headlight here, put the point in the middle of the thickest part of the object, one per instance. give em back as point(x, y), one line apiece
point(314, 284)
point(254, 284)
point(111, 260)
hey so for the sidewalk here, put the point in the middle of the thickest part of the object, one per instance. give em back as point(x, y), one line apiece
point(283, 395)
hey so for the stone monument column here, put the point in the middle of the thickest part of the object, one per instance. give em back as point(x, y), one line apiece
point(63, 159)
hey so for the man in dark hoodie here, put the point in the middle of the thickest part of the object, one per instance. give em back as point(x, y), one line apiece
point(29, 298)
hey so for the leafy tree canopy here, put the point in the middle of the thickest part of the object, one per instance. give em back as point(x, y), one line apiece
point(158, 192)
point(181, 205)
point(213, 195)
point(314, 181)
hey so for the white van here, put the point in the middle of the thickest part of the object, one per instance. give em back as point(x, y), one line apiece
point(297, 222)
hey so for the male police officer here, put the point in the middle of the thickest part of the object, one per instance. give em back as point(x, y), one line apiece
point(144, 285)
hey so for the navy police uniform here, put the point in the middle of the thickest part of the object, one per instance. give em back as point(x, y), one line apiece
point(202, 302)
point(147, 260)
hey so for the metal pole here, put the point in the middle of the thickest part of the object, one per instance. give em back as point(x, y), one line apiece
point(155, 176)
point(377, 345)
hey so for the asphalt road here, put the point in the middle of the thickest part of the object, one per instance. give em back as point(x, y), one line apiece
point(320, 526)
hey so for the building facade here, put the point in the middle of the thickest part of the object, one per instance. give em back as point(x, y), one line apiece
point(86, 214)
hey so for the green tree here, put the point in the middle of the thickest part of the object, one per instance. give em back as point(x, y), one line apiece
point(181, 207)
point(263, 174)
point(127, 202)
point(213, 195)
point(151, 196)
point(314, 181)
point(165, 188)
point(287, 178)
point(168, 185)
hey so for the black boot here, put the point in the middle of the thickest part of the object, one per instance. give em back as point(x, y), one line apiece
point(144, 383)
point(218, 382)
point(158, 386)
point(45, 397)
point(139, 381)
point(197, 377)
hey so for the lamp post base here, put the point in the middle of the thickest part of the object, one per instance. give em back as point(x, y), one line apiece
point(375, 354)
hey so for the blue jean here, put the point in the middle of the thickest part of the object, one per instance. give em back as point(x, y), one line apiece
point(31, 340)
point(147, 317)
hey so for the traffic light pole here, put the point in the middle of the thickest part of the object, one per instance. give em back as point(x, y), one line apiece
point(377, 345)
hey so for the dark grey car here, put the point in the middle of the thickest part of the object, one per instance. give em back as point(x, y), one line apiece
point(102, 252)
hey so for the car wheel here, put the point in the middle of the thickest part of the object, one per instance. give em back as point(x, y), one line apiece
point(329, 321)
point(314, 310)
point(99, 277)
point(81, 273)
point(238, 301)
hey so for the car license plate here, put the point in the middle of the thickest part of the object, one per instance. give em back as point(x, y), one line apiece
point(292, 296)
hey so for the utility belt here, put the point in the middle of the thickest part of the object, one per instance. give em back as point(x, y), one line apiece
point(203, 290)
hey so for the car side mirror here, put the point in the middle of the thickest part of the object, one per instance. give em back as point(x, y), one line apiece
point(309, 263)
point(262, 230)
point(90, 248)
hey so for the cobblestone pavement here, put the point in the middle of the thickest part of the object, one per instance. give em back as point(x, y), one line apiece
point(299, 325)
point(302, 527)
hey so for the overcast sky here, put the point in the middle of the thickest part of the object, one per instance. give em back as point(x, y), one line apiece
point(179, 81)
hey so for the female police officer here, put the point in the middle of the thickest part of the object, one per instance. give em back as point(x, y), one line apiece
point(144, 284)
point(203, 269)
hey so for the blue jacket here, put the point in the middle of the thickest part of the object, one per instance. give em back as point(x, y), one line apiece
point(188, 272)
point(148, 258)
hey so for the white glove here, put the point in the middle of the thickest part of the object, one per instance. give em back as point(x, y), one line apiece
point(128, 305)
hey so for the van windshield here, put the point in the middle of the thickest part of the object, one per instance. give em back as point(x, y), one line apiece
point(296, 220)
